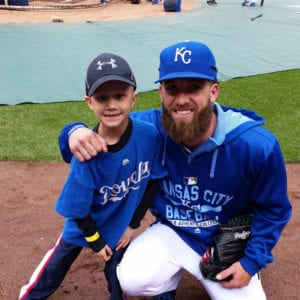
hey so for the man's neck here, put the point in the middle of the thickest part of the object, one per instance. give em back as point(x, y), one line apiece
point(210, 132)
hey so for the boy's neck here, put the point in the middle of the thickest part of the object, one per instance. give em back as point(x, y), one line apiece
point(122, 139)
point(112, 135)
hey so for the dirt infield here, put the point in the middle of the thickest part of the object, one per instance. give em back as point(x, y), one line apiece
point(29, 227)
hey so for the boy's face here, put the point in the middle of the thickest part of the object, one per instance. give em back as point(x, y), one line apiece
point(112, 102)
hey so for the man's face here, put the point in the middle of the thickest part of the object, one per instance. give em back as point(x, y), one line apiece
point(187, 108)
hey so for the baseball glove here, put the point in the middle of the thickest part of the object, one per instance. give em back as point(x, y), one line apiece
point(228, 246)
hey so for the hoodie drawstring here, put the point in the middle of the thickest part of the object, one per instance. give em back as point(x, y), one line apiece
point(213, 163)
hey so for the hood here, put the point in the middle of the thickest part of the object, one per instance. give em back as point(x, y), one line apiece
point(231, 122)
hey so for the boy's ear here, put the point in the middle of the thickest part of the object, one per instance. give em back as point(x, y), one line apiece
point(134, 99)
point(88, 101)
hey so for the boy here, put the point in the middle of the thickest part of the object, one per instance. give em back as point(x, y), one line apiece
point(104, 199)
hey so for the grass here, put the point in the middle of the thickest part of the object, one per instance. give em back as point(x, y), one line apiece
point(29, 132)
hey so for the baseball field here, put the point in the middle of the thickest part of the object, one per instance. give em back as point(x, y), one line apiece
point(29, 225)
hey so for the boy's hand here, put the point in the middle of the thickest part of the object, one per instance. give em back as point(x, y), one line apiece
point(126, 238)
point(105, 253)
point(84, 143)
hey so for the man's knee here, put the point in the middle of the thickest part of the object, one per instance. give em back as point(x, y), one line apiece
point(129, 283)
point(134, 283)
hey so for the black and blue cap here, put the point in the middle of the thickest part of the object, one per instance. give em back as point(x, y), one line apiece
point(107, 67)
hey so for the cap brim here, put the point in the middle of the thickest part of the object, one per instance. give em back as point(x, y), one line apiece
point(179, 75)
point(105, 79)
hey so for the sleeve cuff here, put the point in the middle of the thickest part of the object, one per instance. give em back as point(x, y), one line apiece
point(250, 265)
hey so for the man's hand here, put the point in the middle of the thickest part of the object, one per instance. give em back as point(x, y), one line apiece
point(126, 238)
point(105, 253)
point(85, 143)
point(238, 277)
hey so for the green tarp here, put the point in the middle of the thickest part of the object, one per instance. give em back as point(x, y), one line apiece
point(47, 62)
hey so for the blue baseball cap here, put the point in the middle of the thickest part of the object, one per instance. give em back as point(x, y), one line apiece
point(188, 59)
point(106, 67)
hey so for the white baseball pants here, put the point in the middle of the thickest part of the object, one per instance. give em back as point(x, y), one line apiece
point(156, 260)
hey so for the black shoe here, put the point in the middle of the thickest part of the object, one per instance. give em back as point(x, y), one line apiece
point(211, 2)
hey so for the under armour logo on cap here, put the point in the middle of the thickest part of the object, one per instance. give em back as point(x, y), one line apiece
point(111, 62)
point(107, 67)
point(187, 59)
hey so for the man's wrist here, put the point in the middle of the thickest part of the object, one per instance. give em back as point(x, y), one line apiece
point(75, 127)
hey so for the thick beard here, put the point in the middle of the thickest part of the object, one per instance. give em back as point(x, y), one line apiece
point(188, 133)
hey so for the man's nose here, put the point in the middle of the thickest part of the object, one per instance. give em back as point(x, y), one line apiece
point(181, 98)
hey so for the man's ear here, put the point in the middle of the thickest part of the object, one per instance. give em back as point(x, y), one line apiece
point(214, 92)
point(160, 92)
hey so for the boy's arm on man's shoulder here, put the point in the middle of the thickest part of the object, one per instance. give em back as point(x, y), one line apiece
point(144, 205)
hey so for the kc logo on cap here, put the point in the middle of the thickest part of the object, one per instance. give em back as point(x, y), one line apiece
point(183, 54)
point(187, 59)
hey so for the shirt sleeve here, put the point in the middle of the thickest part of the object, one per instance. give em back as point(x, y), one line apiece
point(144, 205)
point(90, 233)
point(272, 211)
point(63, 140)
point(77, 193)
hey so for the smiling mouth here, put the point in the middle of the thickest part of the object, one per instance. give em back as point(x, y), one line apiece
point(112, 116)
point(182, 112)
